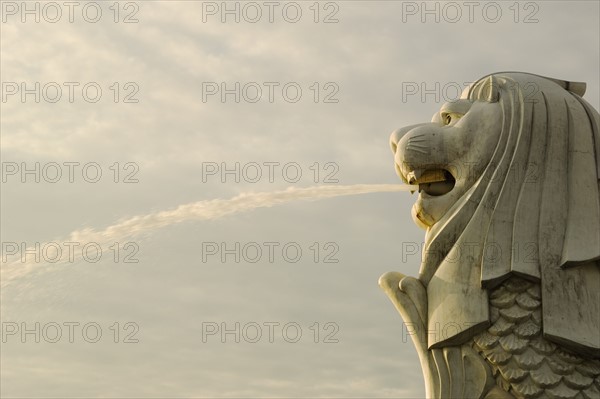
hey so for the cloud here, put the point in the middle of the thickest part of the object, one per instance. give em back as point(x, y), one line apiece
point(171, 132)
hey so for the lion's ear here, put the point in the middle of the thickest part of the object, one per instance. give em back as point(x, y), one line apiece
point(577, 88)
point(489, 90)
point(574, 87)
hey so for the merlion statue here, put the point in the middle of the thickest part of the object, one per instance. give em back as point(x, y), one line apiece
point(507, 302)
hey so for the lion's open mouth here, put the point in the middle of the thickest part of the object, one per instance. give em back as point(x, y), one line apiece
point(434, 182)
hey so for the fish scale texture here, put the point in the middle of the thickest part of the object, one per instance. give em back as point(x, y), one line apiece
point(522, 361)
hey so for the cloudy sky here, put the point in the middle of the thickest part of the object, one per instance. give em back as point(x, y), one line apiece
point(147, 111)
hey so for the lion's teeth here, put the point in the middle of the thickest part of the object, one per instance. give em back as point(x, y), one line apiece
point(432, 176)
point(417, 173)
point(412, 179)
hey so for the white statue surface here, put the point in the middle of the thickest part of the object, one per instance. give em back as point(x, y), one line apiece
point(507, 301)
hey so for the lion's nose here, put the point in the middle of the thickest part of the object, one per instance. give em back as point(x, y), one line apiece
point(397, 135)
point(394, 138)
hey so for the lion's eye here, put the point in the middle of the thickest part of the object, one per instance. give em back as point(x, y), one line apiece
point(449, 118)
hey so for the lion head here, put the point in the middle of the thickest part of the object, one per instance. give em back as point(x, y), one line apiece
point(509, 182)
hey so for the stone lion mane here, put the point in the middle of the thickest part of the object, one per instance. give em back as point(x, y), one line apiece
point(540, 187)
